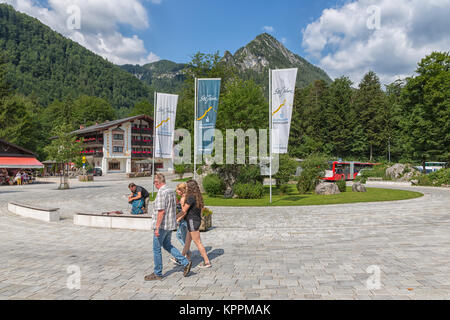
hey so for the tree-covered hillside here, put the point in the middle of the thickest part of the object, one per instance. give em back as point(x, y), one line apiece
point(163, 75)
point(44, 64)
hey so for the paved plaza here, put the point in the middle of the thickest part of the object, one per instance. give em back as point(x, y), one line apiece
point(313, 252)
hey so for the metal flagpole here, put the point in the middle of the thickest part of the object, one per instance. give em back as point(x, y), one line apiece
point(270, 130)
point(154, 135)
point(195, 130)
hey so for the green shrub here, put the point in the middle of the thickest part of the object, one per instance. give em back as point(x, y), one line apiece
point(378, 171)
point(304, 184)
point(213, 185)
point(435, 179)
point(425, 180)
point(283, 189)
point(312, 169)
point(249, 190)
point(249, 174)
point(342, 185)
point(286, 170)
point(361, 179)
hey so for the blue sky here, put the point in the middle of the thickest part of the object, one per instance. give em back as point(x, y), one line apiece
point(179, 28)
point(343, 37)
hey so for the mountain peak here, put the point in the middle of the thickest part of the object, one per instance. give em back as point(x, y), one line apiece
point(266, 36)
point(265, 52)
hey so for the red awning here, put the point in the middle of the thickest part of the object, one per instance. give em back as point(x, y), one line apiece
point(20, 163)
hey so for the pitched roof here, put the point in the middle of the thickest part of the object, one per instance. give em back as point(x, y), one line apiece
point(109, 124)
point(18, 147)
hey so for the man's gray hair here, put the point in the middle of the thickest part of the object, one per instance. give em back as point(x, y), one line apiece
point(160, 178)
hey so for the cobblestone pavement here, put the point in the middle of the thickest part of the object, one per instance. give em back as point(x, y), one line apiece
point(257, 253)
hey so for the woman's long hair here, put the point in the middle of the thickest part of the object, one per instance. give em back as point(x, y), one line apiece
point(194, 190)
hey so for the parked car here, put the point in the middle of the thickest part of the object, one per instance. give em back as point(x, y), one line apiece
point(95, 172)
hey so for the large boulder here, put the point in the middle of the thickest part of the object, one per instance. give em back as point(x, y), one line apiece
point(402, 172)
point(327, 189)
point(396, 171)
point(358, 187)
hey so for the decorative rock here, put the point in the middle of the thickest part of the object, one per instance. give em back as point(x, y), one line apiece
point(327, 189)
point(402, 172)
point(396, 171)
point(358, 187)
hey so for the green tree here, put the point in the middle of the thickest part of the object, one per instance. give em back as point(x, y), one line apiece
point(369, 100)
point(142, 107)
point(340, 118)
point(308, 131)
point(243, 106)
point(17, 124)
point(64, 149)
point(90, 110)
point(426, 109)
point(392, 117)
point(5, 86)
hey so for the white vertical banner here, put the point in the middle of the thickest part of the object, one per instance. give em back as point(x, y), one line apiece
point(283, 89)
point(166, 110)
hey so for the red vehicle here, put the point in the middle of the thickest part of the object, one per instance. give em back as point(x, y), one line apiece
point(347, 170)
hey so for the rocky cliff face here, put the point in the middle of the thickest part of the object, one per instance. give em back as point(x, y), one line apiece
point(252, 62)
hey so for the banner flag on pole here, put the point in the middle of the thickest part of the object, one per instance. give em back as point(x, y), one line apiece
point(283, 89)
point(166, 110)
point(208, 93)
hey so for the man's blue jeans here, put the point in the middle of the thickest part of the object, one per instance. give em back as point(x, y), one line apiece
point(182, 232)
point(164, 241)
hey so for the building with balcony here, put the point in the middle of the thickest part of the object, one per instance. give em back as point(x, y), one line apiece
point(122, 146)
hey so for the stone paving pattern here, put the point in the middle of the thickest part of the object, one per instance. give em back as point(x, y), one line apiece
point(313, 252)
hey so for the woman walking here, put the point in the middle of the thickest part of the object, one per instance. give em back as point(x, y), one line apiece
point(192, 207)
point(182, 229)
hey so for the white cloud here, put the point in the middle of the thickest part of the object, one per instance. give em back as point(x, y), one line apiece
point(95, 25)
point(269, 29)
point(283, 40)
point(408, 30)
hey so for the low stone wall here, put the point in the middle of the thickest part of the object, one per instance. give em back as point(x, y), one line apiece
point(128, 222)
point(42, 214)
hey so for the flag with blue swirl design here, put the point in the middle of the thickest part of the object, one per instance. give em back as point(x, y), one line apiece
point(208, 92)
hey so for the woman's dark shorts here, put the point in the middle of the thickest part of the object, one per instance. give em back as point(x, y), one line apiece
point(193, 224)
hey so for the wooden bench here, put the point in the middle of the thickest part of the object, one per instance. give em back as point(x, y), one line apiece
point(27, 211)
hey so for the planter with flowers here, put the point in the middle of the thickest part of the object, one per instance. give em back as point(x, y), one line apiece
point(206, 219)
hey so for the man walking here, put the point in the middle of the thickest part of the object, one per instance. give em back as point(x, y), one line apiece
point(164, 223)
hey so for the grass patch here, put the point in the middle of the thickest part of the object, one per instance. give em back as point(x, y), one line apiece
point(293, 198)
point(183, 180)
